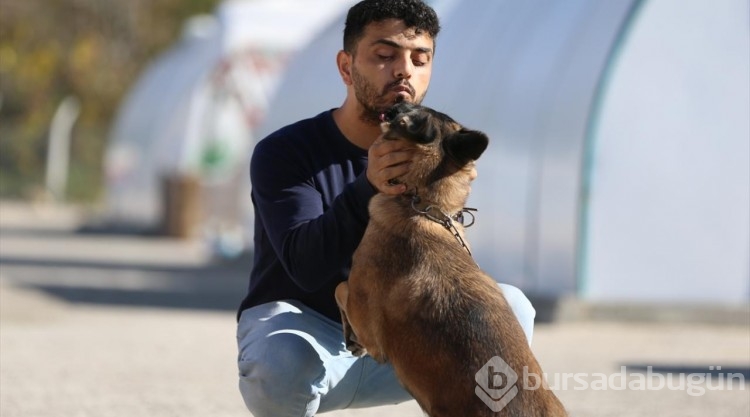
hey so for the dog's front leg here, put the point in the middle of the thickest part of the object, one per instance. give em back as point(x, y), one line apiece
point(350, 338)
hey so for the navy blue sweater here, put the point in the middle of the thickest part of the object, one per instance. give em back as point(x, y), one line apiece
point(310, 196)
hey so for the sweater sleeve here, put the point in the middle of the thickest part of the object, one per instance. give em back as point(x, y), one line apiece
point(313, 244)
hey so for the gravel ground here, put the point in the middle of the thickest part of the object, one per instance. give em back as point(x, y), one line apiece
point(97, 325)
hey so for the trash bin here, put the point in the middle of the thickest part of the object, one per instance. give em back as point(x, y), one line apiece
point(182, 206)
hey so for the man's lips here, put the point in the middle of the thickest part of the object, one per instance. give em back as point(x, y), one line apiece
point(403, 89)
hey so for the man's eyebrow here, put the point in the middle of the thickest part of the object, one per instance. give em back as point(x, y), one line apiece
point(396, 45)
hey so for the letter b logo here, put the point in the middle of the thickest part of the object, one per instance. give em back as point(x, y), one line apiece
point(496, 384)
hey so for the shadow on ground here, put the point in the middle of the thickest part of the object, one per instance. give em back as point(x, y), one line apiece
point(220, 285)
point(710, 371)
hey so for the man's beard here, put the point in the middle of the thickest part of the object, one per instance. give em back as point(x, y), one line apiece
point(374, 102)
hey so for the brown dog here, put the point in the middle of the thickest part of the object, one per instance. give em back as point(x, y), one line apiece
point(416, 298)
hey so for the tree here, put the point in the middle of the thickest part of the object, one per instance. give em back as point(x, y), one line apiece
point(91, 49)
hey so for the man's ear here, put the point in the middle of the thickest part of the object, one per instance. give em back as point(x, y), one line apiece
point(465, 145)
point(344, 64)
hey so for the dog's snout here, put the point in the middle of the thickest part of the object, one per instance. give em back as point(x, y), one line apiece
point(397, 110)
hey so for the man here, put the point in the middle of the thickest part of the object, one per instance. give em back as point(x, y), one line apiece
point(311, 184)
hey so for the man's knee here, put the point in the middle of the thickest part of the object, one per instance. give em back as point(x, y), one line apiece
point(280, 375)
point(522, 308)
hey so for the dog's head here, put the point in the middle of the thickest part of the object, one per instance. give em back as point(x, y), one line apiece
point(445, 149)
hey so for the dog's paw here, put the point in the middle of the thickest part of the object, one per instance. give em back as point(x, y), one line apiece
point(353, 346)
point(356, 349)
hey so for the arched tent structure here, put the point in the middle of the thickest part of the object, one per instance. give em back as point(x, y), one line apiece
point(561, 88)
point(667, 215)
point(194, 110)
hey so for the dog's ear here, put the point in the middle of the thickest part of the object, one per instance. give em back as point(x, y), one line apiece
point(465, 145)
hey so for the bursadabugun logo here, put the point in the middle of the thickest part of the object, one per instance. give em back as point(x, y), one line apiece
point(496, 384)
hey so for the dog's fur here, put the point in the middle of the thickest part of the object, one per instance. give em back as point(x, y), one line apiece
point(416, 298)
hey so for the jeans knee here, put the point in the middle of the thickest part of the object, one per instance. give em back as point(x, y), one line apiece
point(280, 375)
point(522, 308)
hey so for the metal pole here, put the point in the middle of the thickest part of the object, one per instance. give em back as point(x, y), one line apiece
point(58, 149)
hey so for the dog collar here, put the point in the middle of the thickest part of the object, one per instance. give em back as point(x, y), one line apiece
point(438, 215)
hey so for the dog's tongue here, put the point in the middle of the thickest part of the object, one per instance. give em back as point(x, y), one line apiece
point(382, 117)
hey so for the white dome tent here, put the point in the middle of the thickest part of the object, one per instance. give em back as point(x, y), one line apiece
point(193, 111)
point(668, 210)
point(586, 187)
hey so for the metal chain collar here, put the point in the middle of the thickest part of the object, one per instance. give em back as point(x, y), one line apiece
point(444, 219)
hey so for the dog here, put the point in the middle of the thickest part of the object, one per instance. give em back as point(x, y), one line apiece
point(416, 298)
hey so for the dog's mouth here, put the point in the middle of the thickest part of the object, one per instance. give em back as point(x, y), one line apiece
point(386, 119)
point(384, 125)
point(393, 115)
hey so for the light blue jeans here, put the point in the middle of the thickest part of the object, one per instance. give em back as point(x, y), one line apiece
point(293, 361)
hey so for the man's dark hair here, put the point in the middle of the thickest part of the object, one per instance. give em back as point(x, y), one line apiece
point(414, 13)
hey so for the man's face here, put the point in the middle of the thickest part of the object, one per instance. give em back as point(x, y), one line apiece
point(391, 64)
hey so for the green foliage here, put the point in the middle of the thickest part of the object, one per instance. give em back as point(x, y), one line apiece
point(91, 49)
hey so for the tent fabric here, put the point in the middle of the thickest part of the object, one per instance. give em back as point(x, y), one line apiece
point(668, 213)
point(530, 89)
point(153, 117)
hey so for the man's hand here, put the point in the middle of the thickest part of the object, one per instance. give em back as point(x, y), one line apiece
point(387, 160)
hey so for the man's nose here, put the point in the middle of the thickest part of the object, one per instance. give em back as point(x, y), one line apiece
point(403, 68)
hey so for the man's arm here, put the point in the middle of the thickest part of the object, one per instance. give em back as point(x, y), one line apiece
point(315, 244)
point(312, 244)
